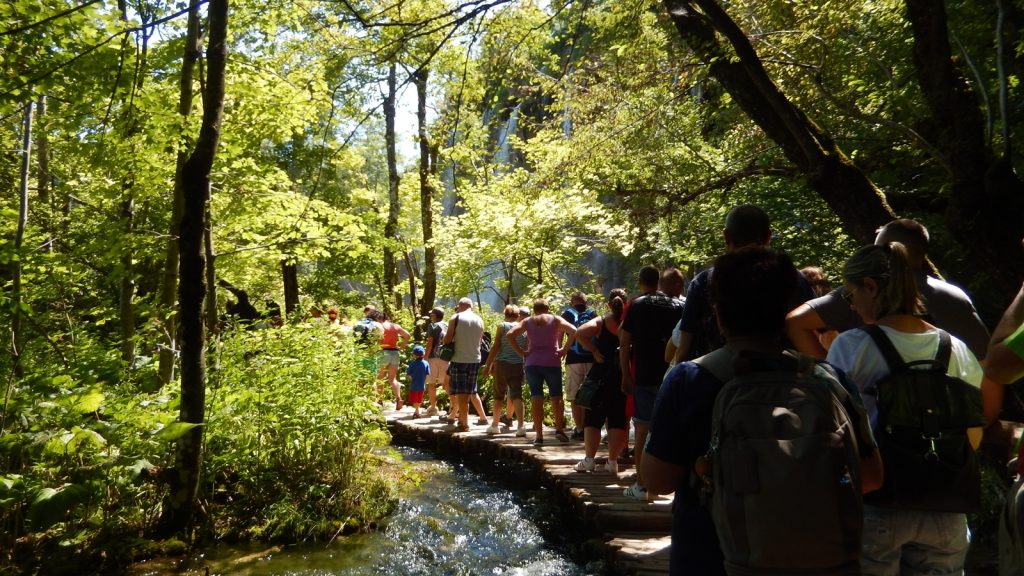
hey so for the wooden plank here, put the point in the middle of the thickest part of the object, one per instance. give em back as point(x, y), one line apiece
point(633, 535)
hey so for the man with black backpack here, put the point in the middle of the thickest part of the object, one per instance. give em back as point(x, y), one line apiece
point(766, 450)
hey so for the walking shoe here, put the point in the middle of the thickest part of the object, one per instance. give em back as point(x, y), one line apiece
point(416, 416)
point(457, 428)
point(443, 417)
point(636, 492)
point(399, 404)
point(538, 441)
point(432, 411)
point(561, 436)
point(585, 465)
point(492, 430)
point(521, 432)
point(611, 467)
point(482, 422)
point(505, 420)
point(577, 434)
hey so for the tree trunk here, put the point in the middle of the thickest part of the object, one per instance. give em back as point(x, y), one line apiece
point(290, 276)
point(426, 197)
point(43, 174)
point(19, 239)
point(184, 482)
point(169, 286)
point(391, 226)
point(126, 293)
point(212, 321)
point(858, 203)
point(986, 200)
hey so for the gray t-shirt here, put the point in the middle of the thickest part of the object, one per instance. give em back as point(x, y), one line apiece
point(948, 307)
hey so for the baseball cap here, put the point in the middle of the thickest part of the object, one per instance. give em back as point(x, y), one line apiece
point(418, 350)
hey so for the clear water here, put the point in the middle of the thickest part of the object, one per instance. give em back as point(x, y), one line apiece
point(457, 523)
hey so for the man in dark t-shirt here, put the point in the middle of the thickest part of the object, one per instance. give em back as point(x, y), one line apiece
point(644, 331)
point(745, 225)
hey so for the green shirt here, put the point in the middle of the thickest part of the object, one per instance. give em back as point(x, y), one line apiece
point(1015, 342)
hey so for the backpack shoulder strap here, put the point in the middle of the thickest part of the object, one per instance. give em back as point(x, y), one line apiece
point(945, 349)
point(719, 364)
point(885, 346)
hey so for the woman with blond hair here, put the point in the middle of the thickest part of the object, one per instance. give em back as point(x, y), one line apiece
point(879, 285)
point(506, 366)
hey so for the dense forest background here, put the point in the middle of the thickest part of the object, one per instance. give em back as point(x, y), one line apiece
point(161, 157)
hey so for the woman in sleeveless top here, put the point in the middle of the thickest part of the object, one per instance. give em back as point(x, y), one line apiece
point(390, 357)
point(506, 366)
point(543, 360)
point(600, 337)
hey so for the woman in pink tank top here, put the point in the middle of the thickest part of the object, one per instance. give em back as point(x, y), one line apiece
point(544, 364)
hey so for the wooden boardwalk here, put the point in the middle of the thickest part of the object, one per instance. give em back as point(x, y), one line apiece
point(631, 537)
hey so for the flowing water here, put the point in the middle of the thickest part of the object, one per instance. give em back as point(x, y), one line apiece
point(458, 522)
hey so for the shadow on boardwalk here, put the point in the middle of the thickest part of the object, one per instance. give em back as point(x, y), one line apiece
point(632, 537)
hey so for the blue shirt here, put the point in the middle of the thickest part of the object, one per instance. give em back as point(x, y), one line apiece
point(418, 370)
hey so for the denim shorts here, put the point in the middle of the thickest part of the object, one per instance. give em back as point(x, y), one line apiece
point(913, 542)
point(643, 403)
point(390, 359)
point(536, 376)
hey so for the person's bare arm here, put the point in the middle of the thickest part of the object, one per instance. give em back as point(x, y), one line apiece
point(404, 334)
point(685, 341)
point(566, 328)
point(625, 342)
point(513, 337)
point(450, 334)
point(802, 325)
point(661, 477)
point(495, 348)
point(585, 336)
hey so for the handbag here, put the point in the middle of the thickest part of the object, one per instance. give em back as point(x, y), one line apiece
point(588, 396)
point(447, 351)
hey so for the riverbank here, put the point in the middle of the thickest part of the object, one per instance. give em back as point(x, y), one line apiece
point(630, 537)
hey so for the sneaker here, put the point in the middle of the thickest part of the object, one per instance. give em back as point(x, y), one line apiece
point(577, 434)
point(585, 465)
point(538, 441)
point(521, 432)
point(432, 411)
point(492, 430)
point(482, 422)
point(636, 492)
point(505, 420)
point(457, 428)
point(611, 467)
point(416, 416)
point(561, 435)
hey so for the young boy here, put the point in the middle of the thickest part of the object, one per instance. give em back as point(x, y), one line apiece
point(417, 372)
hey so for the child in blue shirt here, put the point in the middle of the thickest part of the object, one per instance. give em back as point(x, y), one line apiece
point(417, 372)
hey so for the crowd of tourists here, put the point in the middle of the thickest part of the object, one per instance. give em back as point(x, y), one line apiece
point(802, 429)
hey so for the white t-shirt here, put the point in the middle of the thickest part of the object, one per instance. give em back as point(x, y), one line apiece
point(855, 353)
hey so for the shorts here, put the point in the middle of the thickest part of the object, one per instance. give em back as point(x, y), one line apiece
point(508, 377)
point(643, 403)
point(575, 374)
point(610, 405)
point(415, 396)
point(462, 377)
point(438, 369)
point(536, 376)
point(390, 359)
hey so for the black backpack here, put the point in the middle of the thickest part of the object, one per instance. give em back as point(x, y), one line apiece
point(923, 417)
point(485, 346)
point(784, 478)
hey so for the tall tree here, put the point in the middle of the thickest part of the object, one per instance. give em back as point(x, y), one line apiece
point(391, 239)
point(169, 283)
point(426, 195)
point(184, 482)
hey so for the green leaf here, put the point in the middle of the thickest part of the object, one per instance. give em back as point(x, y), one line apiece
point(137, 468)
point(52, 505)
point(88, 402)
point(174, 430)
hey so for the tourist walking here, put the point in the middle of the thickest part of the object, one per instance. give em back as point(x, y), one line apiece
point(390, 358)
point(465, 330)
point(438, 367)
point(608, 407)
point(578, 360)
point(506, 368)
point(543, 360)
